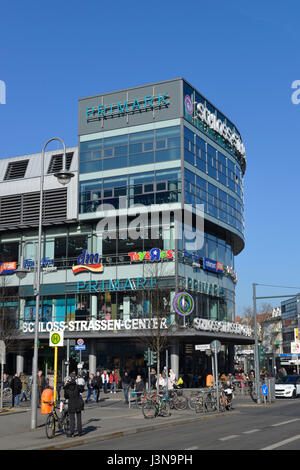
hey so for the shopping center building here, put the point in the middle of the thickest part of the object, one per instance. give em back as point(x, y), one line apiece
point(155, 208)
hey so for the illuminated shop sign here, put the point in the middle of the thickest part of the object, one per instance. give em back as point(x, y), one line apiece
point(211, 120)
point(202, 287)
point(88, 262)
point(135, 324)
point(222, 327)
point(117, 285)
point(211, 265)
point(118, 109)
point(99, 325)
point(47, 264)
point(153, 255)
point(8, 268)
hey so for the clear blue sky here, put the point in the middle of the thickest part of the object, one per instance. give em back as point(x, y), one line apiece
point(243, 57)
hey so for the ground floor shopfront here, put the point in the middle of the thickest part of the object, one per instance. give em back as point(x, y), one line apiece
point(124, 350)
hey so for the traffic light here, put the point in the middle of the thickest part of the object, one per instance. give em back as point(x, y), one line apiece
point(262, 354)
point(153, 355)
point(146, 358)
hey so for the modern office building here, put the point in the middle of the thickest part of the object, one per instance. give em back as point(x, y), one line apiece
point(155, 165)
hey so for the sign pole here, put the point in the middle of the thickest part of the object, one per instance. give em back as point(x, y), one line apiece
point(55, 373)
point(1, 398)
point(217, 379)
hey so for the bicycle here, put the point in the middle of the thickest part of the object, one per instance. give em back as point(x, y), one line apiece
point(156, 405)
point(177, 400)
point(53, 418)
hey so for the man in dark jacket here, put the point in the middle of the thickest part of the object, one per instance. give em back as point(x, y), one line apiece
point(16, 388)
point(98, 384)
point(75, 404)
point(91, 385)
point(126, 381)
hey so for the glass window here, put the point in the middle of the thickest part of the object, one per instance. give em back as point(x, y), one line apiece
point(166, 155)
point(141, 137)
point(173, 131)
point(141, 159)
point(90, 167)
point(112, 163)
point(9, 252)
point(161, 144)
point(90, 145)
point(86, 156)
point(76, 245)
point(60, 247)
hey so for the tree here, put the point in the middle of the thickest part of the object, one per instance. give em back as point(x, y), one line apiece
point(157, 339)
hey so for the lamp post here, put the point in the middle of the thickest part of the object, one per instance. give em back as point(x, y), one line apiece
point(64, 177)
point(256, 357)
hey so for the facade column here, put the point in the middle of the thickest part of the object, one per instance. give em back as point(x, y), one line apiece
point(20, 362)
point(94, 306)
point(175, 358)
point(231, 358)
point(92, 356)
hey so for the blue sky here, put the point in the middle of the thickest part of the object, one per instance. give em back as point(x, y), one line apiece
point(242, 57)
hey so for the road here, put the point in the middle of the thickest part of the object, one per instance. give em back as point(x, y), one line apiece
point(269, 427)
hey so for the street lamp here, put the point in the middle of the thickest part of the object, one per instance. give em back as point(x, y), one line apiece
point(63, 177)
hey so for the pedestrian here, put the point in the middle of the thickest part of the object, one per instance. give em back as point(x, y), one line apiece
point(153, 378)
point(139, 387)
point(113, 380)
point(172, 379)
point(16, 389)
point(126, 381)
point(24, 381)
point(160, 382)
point(91, 385)
point(98, 381)
point(41, 383)
point(105, 380)
point(72, 393)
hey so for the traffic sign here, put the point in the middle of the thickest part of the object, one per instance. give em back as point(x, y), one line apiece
point(202, 347)
point(56, 338)
point(80, 347)
point(264, 390)
point(215, 346)
point(2, 352)
point(80, 342)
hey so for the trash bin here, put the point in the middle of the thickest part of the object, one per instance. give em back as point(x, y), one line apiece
point(47, 395)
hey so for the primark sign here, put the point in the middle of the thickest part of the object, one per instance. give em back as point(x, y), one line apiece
point(110, 110)
point(200, 324)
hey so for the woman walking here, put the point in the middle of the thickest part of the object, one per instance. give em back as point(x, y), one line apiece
point(75, 404)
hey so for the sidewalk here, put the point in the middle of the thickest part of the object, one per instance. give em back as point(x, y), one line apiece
point(101, 421)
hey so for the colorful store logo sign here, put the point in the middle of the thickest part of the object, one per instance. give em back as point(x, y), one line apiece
point(45, 263)
point(188, 104)
point(119, 285)
point(153, 255)
point(8, 268)
point(88, 262)
point(183, 304)
point(211, 265)
point(118, 109)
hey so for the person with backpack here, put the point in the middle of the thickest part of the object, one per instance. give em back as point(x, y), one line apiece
point(72, 393)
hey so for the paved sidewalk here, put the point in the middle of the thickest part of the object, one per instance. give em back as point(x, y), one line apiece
point(105, 420)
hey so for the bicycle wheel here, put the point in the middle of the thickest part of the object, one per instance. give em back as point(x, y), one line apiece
point(181, 403)
point(222, 402)
point(50, 426)
point(198, 404)
point(192, 401)
point(210, 403)
point(164, 409)
point(66, 424)
point(149, 409)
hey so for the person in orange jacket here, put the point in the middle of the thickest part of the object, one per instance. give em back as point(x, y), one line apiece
point(113, 380)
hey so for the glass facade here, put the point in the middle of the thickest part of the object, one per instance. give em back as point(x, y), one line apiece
point(128, 150)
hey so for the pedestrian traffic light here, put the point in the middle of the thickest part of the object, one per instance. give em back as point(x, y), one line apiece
point(153, 355)
point(146, 358)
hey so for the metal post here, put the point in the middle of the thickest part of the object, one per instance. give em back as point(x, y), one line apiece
point(167, 369)
point(34, 400)
point(68, 357)
point(55, 374)
point(1, 396)
point(256, 358)
point(217, 379)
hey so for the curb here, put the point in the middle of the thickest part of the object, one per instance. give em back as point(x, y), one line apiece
point(126, 432)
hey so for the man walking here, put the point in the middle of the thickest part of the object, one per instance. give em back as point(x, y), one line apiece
point(75, 404)
point(98, 385)
point(16, 388)
point(91, 385)
point(126, 386)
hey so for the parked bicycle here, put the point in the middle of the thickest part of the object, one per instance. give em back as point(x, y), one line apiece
point(60, 419)
point(156, 405)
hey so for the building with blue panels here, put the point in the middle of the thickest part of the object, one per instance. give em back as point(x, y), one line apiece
point(156, 208)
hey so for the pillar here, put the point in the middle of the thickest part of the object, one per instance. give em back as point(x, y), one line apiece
point(231, 358)
point(94, 305)
point(92, 356)
point(175, 358)
point(20, 362)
